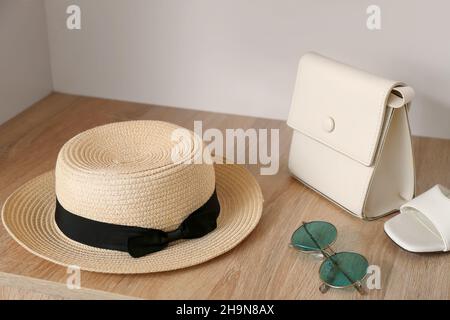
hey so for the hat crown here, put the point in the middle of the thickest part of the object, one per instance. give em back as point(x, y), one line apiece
point(124, 173)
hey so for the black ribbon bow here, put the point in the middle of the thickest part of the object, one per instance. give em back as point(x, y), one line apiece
point(137, 241)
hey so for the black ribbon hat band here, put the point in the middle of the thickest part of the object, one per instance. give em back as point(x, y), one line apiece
point(137, 241)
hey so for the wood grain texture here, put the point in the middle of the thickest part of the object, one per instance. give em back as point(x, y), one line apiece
point(19, 287)
point(262, 266)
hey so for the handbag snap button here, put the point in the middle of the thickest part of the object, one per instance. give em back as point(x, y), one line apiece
point(328, 124)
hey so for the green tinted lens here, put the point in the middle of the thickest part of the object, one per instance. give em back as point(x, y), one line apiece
point(343, 269)
point(324, 235)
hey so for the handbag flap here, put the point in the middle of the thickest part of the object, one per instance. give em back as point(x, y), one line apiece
point(340, 106)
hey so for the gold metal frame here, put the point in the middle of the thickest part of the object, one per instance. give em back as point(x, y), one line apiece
point(327, 253)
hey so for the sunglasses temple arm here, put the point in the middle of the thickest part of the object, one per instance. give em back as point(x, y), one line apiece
point(358, 286)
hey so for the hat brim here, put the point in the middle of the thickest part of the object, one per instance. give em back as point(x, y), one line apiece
point(28, 216)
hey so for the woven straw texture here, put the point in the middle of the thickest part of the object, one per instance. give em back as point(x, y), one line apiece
point(123, 173)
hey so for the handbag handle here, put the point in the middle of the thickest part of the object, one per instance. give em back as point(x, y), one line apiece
point(400, 96)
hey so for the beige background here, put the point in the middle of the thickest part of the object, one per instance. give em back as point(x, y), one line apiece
point(240, 56)
point(25, 75)
point(234, 56)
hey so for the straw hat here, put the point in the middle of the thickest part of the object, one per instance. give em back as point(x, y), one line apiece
point(123, 176)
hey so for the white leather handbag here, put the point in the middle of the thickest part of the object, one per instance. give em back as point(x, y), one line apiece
point(351, 139)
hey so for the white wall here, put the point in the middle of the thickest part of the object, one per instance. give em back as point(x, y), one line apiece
point(240, 56)
point(25, 75)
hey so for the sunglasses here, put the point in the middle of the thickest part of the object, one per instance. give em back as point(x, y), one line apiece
point(338, 270)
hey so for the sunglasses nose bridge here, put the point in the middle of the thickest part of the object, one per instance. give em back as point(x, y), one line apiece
point(319, 254)
point(328, 251)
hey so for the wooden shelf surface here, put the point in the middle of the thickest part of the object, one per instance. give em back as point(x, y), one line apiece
point(261, 267)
